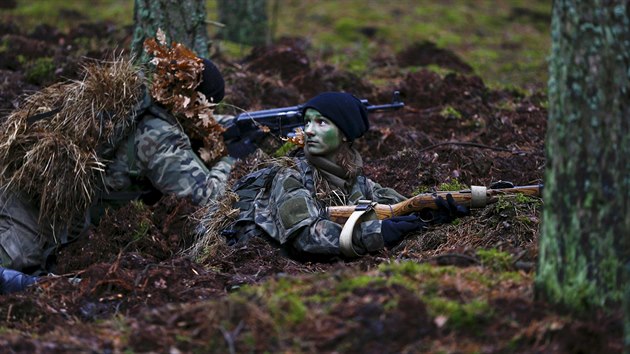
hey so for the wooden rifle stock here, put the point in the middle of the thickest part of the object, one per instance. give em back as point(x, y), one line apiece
point(475, 197)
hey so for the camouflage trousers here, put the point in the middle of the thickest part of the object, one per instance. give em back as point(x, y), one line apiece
point(22, 241)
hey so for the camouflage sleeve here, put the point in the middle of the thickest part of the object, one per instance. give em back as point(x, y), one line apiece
point(384, 195)
point(296, 218)
point(164, 155)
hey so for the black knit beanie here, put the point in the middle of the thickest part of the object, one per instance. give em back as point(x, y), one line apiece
point(343, 109)
point(212, 85)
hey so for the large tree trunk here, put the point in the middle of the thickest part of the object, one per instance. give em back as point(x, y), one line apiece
point(586, 221)
point(245, 21)
point(183, 21)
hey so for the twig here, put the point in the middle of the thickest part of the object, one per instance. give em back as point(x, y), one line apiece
point(230, 336)
point(215, 23)
point(462, 143)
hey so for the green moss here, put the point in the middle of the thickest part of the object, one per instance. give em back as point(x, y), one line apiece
point(450, 112)
point(347, 29)
point(141, 230)
point(4, 44)
point(459, 315)
point(494, 259)
point(362, 281)
point(232, 49)
point(40, 71)
point(437, 69)
point(510, 276)
point(452, 185)
point(502, 203)
point(414, 269)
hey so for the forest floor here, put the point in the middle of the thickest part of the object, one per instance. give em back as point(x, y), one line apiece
point(466, 287)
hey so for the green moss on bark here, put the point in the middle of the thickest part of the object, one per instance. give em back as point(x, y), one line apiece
point(585, 218)
point(182, 21)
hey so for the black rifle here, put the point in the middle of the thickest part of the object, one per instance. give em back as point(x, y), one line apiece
point(248, 128)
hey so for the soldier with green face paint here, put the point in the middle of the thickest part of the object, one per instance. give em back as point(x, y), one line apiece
point(287, 203)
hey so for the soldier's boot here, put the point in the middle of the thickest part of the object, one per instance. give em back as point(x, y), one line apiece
point(13, 281)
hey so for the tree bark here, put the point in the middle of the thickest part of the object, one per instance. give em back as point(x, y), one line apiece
point(583, 249)
point(245, 21)
point(183, 21)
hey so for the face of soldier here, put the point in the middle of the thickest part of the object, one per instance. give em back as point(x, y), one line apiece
point(323, 137)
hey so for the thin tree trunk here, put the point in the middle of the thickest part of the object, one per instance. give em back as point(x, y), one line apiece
point(245, 21)
point(586, 221)
point(183, 21)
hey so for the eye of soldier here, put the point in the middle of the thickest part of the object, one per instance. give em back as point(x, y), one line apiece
point(311, 117)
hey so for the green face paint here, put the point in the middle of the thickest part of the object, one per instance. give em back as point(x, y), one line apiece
point(323, 137)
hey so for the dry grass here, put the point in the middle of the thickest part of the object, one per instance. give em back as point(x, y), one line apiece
point(58, 161)
point(213, 218)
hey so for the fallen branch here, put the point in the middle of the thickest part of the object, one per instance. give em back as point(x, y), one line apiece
point(481, 146)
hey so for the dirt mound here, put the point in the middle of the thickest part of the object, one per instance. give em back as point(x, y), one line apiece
point(46, 55)
point(282, 75)
point(157, 232)
point(427, 53)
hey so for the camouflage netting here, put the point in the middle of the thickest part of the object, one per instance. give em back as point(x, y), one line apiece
point(53, 147)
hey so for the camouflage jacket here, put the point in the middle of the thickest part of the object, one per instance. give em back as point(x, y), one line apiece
point(159, 151)
point(286, 209)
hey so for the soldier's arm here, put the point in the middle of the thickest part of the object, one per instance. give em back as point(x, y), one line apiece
point(164, 155)
point(302, 224)
point(384, 195)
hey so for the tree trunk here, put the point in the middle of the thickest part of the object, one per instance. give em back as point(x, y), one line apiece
point(586, 221)
point(245, 21)
point(183, 21)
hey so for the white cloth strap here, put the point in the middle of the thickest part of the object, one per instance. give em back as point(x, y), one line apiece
point(345, 238)
point(479, 196)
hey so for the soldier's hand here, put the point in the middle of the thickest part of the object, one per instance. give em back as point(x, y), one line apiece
point(240, 149)
point(448, 210)
point(395, 228)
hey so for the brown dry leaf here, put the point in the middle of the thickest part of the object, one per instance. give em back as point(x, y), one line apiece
point(161, 36)
point(176, 75)
point(205, 154)
point(297, 138)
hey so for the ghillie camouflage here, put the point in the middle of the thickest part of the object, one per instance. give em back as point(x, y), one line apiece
point(54, 148)
point(76, 146)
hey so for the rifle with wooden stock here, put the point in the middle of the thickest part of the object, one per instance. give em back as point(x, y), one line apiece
point(475, 197)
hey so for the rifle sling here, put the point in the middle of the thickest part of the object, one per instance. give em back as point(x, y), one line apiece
point(345, 238)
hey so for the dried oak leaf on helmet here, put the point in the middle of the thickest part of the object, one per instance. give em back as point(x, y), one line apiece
point(176, 75)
